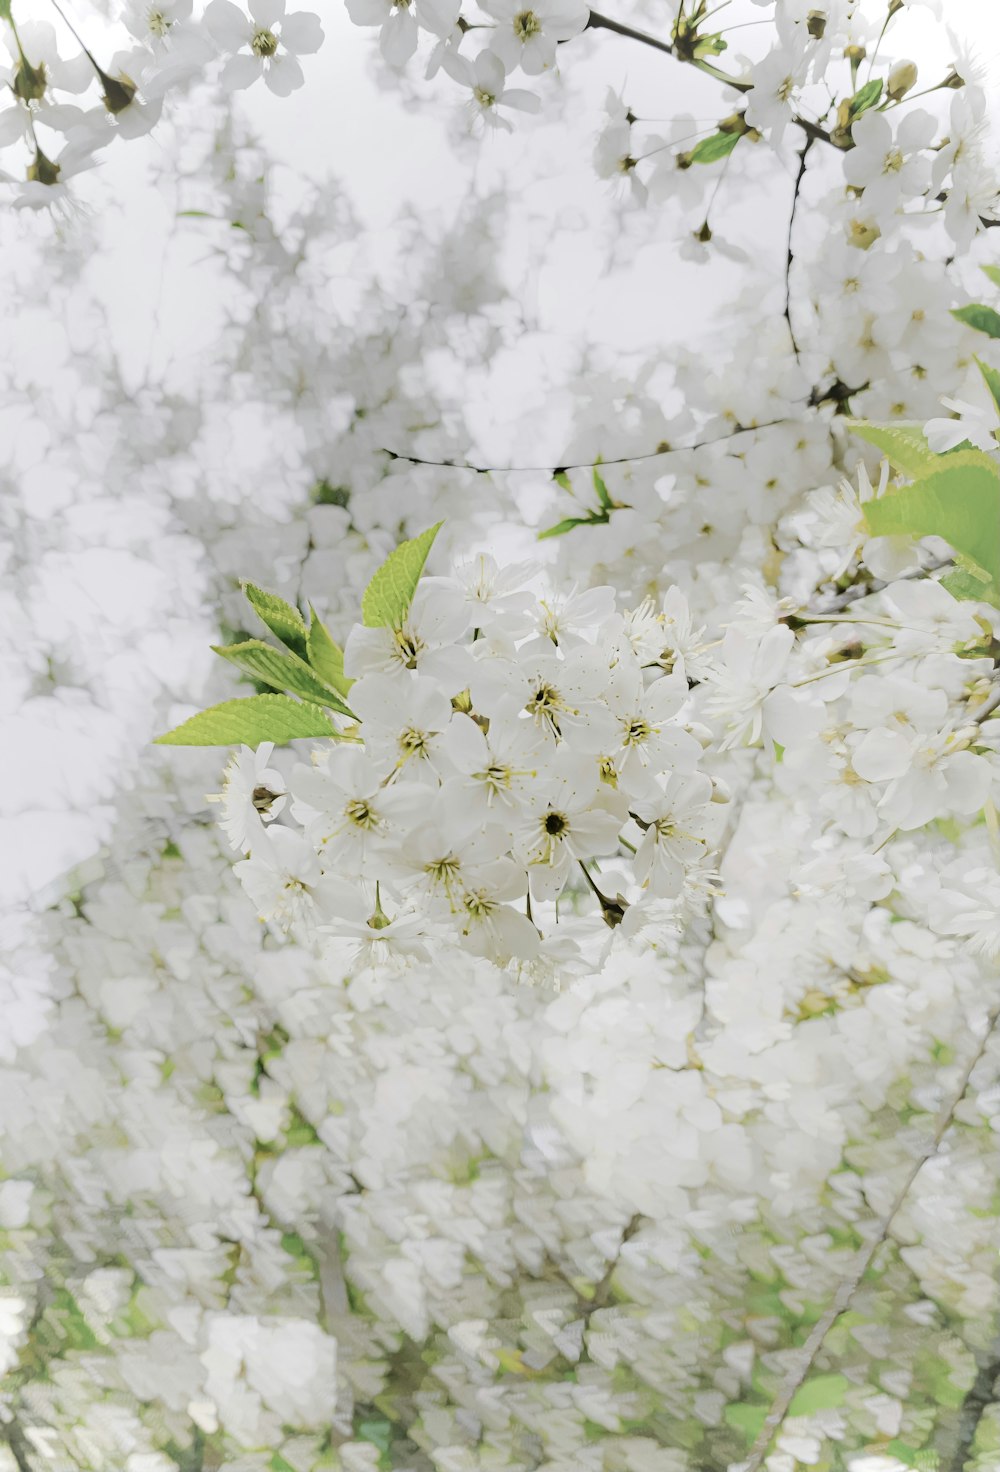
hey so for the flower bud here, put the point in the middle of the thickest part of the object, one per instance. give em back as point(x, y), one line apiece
point(901, 79)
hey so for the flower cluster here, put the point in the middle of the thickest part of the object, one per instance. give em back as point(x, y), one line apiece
point(508, 745)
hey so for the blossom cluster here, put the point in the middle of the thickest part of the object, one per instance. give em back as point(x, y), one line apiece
point(505, 742)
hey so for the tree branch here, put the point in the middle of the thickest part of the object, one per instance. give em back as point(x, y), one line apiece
point(983, 1393)
point(847, 1289)
point(662, 450)
point(599, 22)
point(605, 23)
point(800, 175)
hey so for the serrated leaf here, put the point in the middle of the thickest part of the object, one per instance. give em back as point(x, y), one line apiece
point(284, 672)
point(284, 621)
point(325, 655)
point(821, 1393)
point(389, 594)
point(865, 97)
point(903, 444)
point(711, 150)
point(248, 722)
point(992, 380)
point(960, 502)
point(979, 317)
point(993, 272)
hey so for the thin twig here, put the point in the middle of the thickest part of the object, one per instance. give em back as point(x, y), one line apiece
point(847, 1289)
point(591, 464)
point(800, 175)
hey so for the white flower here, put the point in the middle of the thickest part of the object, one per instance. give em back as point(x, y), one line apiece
point(678, 826)
point(776, 79)
point(649, 733)
point(527, 34)
point(401, 22)
point(252, 794)
point(425, 642)
point(349, 811)
point(267, 43)
point(743, 682)
point(890, 166)
point(971, 423)
point(404, 723)
point(969, 906)
point(487, 80)
point(565, 825)
point(840, 521)
point(281, 877)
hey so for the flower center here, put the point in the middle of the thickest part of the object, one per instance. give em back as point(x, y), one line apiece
point(264, 43)
point(444, 871)
point(413, 742)
point(484, 98)
point(637, 731)
point(555, 824)
point(893, 162)
point(262, 798)
point(408, 647)
point(360, 814)
point(526, 25)
point(157, 22)
point(545, 705)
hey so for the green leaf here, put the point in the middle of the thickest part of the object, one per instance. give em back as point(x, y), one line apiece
point(992, 380)
point(821, 1393)
point(865, 98)
point(389, 594)
point(562, 479)
point(248, 722)
point(284, 621)
point(746, 1418)
point(968, 581)
point(960, 502)
point(993, 272)
point(284, 672)
point(325, 655)
point(567, 525)
point(983, 319)
point(711, 150)
point(602, 492)
point(902, 443)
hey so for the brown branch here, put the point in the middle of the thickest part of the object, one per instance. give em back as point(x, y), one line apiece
point(849, 1286)
point(800, 175)
point(605, 23)
point(814, 132)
